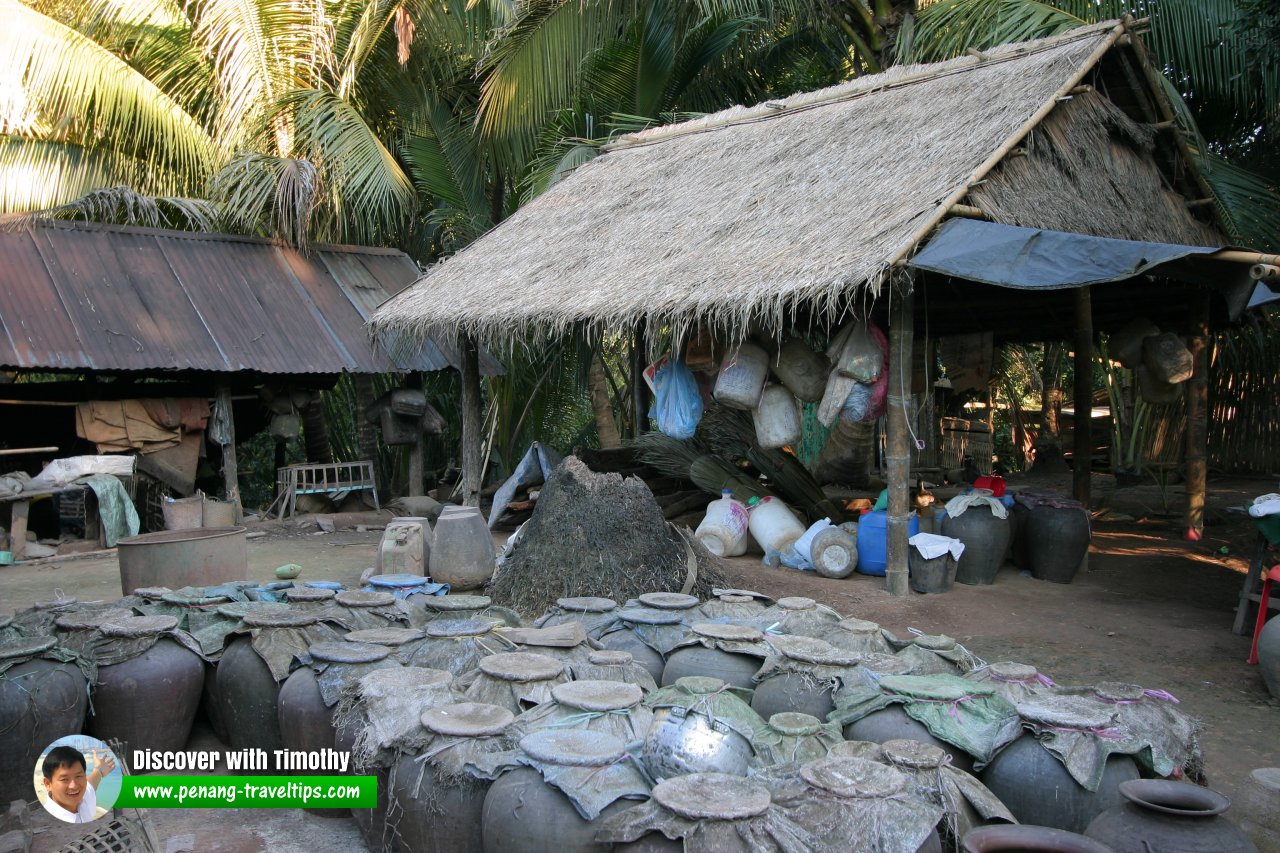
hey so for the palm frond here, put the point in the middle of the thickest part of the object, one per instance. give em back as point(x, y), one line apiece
point(268, 196)
point(444, 157)
point(949, 28)
point(122, 206)
point(36, 174)
point(1248, 201)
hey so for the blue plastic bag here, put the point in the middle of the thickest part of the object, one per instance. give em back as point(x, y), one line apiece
point(677, 402)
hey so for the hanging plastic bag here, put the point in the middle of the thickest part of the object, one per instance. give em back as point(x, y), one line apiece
point(677, 401)
point(862, 358)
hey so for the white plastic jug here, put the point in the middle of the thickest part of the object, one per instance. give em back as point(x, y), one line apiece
point(777, 418)
point(405, 548)
point(741, 379)
point(773, 524)
point(724, 528)
point(834, 553)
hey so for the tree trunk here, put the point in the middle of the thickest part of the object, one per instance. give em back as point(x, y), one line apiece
point(639, 390)
point(601, 404)
point(890, 16)
point(1048, 444)
point(1197, 391)
point(472, 423)
point(315, 431)
point(898, 455)
point(366, 433)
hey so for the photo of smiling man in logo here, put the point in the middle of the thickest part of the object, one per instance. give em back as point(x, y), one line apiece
point(70, 779)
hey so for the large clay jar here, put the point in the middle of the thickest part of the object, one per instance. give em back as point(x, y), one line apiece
point(894, 723)
point(1039, 790)
point(731, 607)
point(464, 607)
point(1165, 815)
point(1029, 839)
point(440, 808)
point(1057, 540)
point(707, 658)
point(1019, 514)
point(41, 700)
point(800, 677)
point(985, 538)
point(516, 681)
point(151, 700)
point(462, 554)
point(625, 639)
point(248, 698)
point(525, 814)
point(1269, 655)
point(1259, 808)
point(595, 614)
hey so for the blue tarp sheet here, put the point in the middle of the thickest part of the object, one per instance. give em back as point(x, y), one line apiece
point(1034, 259)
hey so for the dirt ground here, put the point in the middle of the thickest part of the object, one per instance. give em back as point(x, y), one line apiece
point(1151, 608)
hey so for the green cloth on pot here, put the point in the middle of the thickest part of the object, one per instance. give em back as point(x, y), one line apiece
point(119, 518)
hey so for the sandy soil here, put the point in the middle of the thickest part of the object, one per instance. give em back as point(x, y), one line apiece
point(1150, 608)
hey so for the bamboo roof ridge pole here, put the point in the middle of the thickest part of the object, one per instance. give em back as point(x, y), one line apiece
point(1082, 458)
point(1197, 391)
point(472, 425)
point(898, 458)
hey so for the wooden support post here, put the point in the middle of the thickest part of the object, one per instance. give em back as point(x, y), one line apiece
point(639, 390)
point(230, 468)
point(472, 426)
point(1197, 463)
point(1082, 461)
point(898, 457)
point(18, 528)
point(417, 450)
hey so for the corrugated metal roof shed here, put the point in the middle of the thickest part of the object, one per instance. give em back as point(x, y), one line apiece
point(77, 296)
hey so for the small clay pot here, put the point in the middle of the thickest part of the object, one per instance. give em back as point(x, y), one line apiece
point(1165, 815)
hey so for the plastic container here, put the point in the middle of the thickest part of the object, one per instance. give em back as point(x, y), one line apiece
point(802, 370)
point(834, 553)
point(873, 541)
point(723, 530)
point(741, 379)
point(777, 418)
point(773, 524)
point(405, 548)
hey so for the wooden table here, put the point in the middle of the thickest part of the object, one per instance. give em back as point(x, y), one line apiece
point(1252, 590)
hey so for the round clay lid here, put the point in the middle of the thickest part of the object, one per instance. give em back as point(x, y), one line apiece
point(812, 650)
point(1007, 670)
point(725, 631)
point(151, 591)
point(587, 604)
point(398, 581)
point(1066, 712)
point(573, 747)
point(87, 619)
point(391, 637)
point(182, 599)
point(853, 777)
point(360, 598)
point(238, 609)
point(597, 695)
point(1268, 778)
point(306, 593)
point(732, 598)
point(56, 604)
point(521, 666)
point(650, 616)
point(712, 796)
point(701, 685)
point(857, 749)
point(931, 689)
point(450, 603)
point(859, 626)
point(26, 647)
point(409, 680)
point(139, 626)
point(668, 600)
point(458, 628)
point(1118, 691)
point(795, 724)
point(344, 652)
point(467, 719)
point(260, 617)
point(935, 642)
point(797, 602)
point(884, 664)
point(915, 754)
point(609, 657)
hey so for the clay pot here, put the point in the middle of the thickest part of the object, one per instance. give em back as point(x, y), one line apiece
point(150, 701)
point(523, 814)
point(654, 842)
point(1018, 518)
point(210, 705)
point(1165, 815)
point(933, 575)
point(305, 722)
point(643, 654)
point(371, 822)
point(248, 697)
point(1038, 790)
point(40, 701)
point(1269, 655)
point(1057, 540)
point(985, 538)
point(462, 554)
point(734, 669)
point(791, 691)
point(1259, 808)
point(1029, 839)
point(893, 723)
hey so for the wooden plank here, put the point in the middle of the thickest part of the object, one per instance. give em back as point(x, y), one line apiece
point(18, 528)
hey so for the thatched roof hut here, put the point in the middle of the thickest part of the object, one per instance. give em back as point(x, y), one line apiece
point(801, 205)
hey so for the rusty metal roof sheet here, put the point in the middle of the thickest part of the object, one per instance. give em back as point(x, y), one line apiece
point(78, 296)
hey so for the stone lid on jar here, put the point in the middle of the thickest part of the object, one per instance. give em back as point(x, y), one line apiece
point(650, 616)
point(306, 593)
point(458, 628)
point(1065, 712)
point(712, 796)
point(1119, 691)
point(347, 652)
point(857, 749)
point(668, 600)
point(573, 747)
point(724, 631)
point(392, 637)
point(184, 599)
point(151, 591)
point(734, 598)
point(853, 778)
point(467, 719)
point(23, 647)
point(587, 604)
point(858, 626)
point(935, 642)
point(609, 657)
point(86, 619)
point(597, 695)
point(914, 754)
point(795, 724)
point(797, 602)
point(701, 685)
point(450, 603)
point(521, 666)
point(139, 626)
point(286, 617)
point(812, 650)
point(360, 598)
point(1007, 670)
point(884, 664)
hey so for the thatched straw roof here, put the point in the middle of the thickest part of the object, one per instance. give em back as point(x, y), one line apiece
point(751, 214)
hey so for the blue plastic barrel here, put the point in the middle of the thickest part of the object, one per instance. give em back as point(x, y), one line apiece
point(872, 535)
